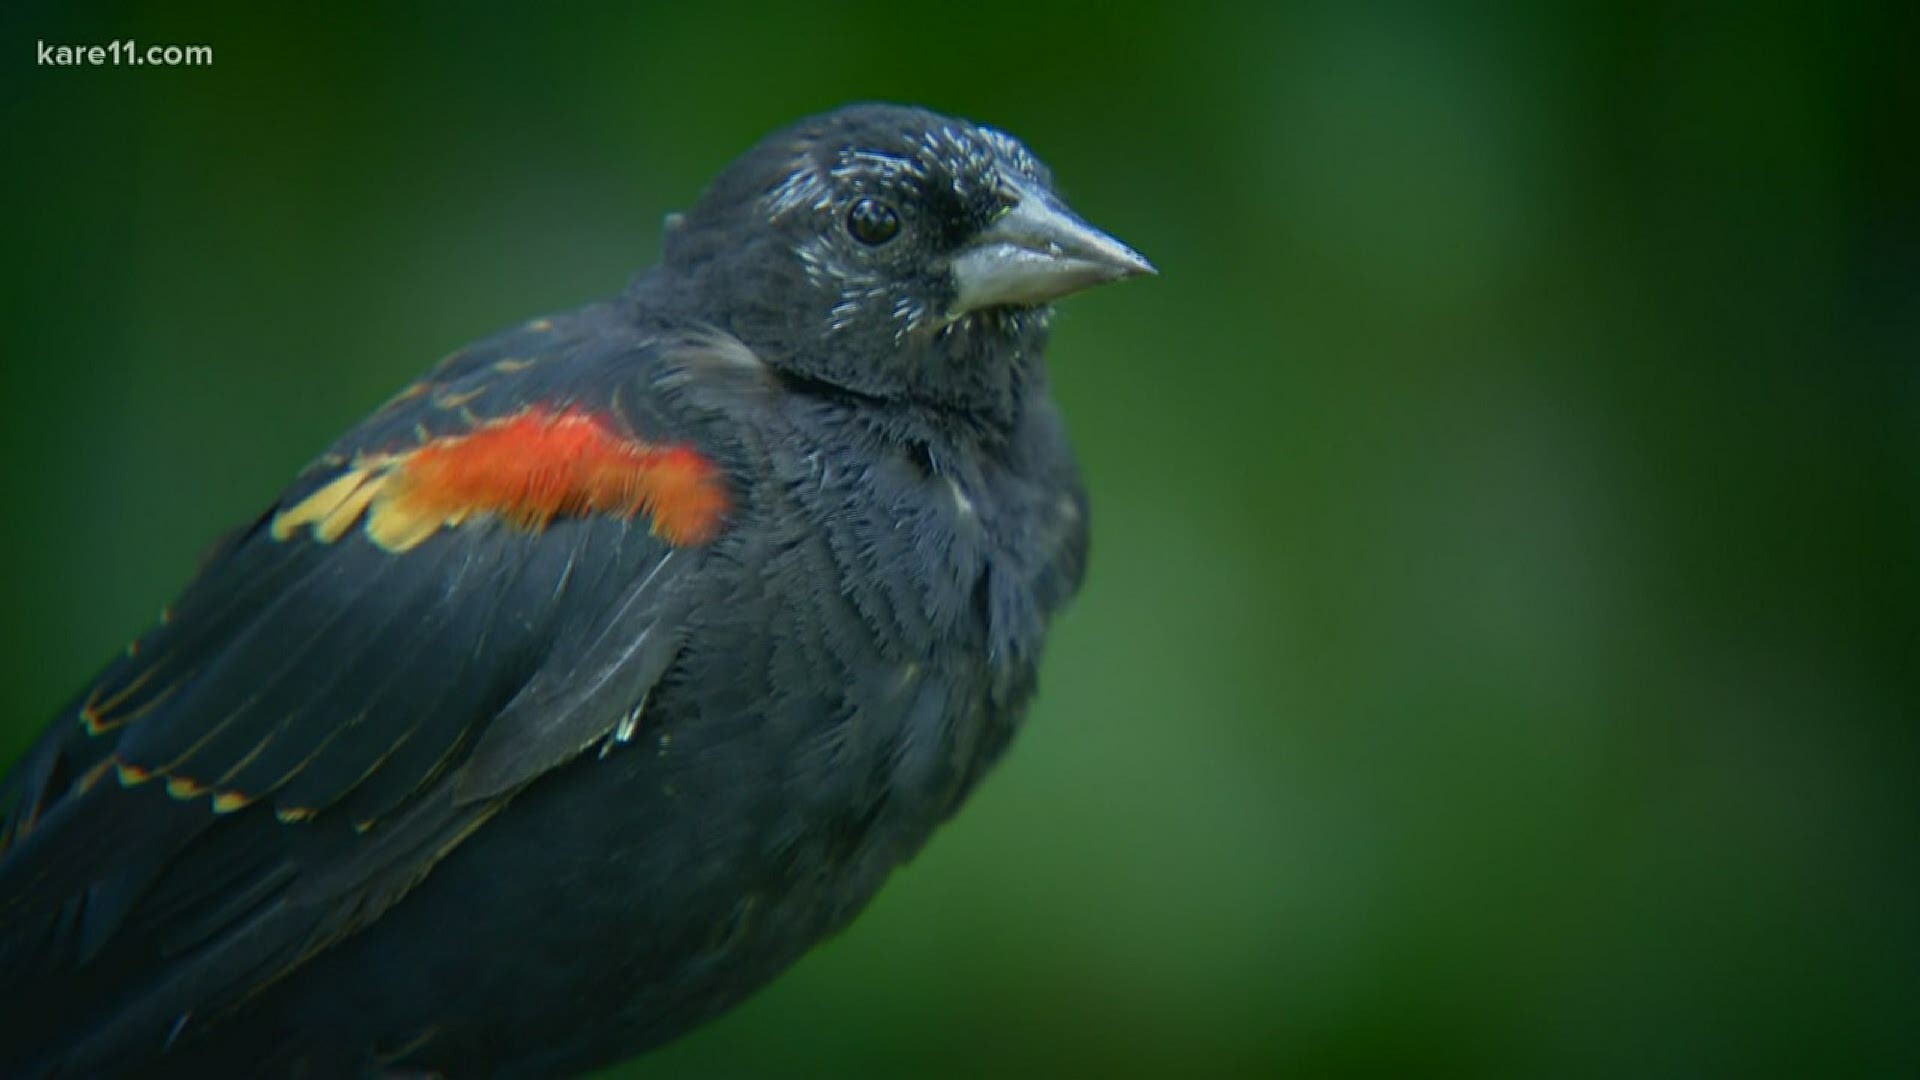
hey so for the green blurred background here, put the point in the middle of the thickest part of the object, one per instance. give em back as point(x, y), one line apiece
point(1498, 655)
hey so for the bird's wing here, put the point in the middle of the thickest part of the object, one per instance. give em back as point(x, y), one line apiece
point(478, 583)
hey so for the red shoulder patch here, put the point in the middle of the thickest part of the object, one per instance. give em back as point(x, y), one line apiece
point(537, 466)
point(529, 468)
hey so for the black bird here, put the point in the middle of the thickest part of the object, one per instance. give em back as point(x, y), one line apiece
point(598, 675)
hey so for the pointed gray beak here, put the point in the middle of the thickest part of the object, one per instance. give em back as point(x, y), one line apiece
point(1038, 251)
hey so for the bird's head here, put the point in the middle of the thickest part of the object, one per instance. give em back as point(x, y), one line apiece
point(893, 252)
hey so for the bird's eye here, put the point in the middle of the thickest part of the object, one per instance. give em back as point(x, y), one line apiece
point(872, 222)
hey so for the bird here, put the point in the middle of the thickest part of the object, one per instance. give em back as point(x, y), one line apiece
point(585, 685)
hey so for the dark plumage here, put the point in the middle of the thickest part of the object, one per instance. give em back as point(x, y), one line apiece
point(593, 679)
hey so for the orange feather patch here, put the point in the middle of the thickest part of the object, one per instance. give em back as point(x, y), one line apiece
point(529, 469)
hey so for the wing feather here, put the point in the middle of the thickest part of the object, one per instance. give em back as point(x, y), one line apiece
point(319, 719)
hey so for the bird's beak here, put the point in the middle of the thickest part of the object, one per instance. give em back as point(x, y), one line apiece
point(1038, 251)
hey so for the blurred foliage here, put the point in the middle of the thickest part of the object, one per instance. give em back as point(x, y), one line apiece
point(1499, 650)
